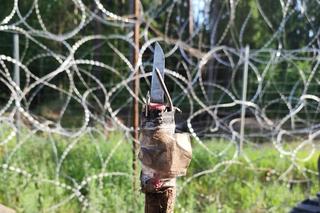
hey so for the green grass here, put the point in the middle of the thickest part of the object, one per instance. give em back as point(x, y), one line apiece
point(241, 186)
point(244, 186)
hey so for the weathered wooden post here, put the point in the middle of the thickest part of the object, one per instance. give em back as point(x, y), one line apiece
point(164, 154)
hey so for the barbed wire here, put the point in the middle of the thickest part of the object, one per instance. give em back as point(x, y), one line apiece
point(211, 109)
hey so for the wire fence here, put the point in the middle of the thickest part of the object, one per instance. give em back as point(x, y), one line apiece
point(78, 82)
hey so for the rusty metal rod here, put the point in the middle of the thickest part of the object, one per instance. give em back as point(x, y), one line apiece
point(136, 85)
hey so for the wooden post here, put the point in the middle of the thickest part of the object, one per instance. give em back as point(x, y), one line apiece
point(159, 195)
point(164, 155)
point(162, 202)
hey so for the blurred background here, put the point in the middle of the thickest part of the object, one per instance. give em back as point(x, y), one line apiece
point(244, 74)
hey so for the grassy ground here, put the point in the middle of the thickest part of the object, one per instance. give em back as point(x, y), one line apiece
point(213, 184)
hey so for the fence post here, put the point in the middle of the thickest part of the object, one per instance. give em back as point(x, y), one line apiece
point(136, 85)
point(244, 98)
point(16, 78)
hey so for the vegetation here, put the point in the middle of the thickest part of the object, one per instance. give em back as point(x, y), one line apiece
point(237, 187)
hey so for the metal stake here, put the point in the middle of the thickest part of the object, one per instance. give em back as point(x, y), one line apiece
point(16, 78)
point(244, 98)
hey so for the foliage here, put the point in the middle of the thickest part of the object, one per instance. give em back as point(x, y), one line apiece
point(240, 187)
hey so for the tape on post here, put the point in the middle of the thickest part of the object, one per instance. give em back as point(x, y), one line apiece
point(164, 155)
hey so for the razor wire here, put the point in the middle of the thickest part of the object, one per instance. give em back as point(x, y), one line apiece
point(210, 109)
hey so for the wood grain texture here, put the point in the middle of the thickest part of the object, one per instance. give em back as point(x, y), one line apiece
point(162, 202)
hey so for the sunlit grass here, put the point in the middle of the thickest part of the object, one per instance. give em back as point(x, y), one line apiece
point(229, 183)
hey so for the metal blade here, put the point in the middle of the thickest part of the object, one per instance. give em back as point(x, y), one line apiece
point(157, 93)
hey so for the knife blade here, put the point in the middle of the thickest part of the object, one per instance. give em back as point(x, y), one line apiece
point(157, 93)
